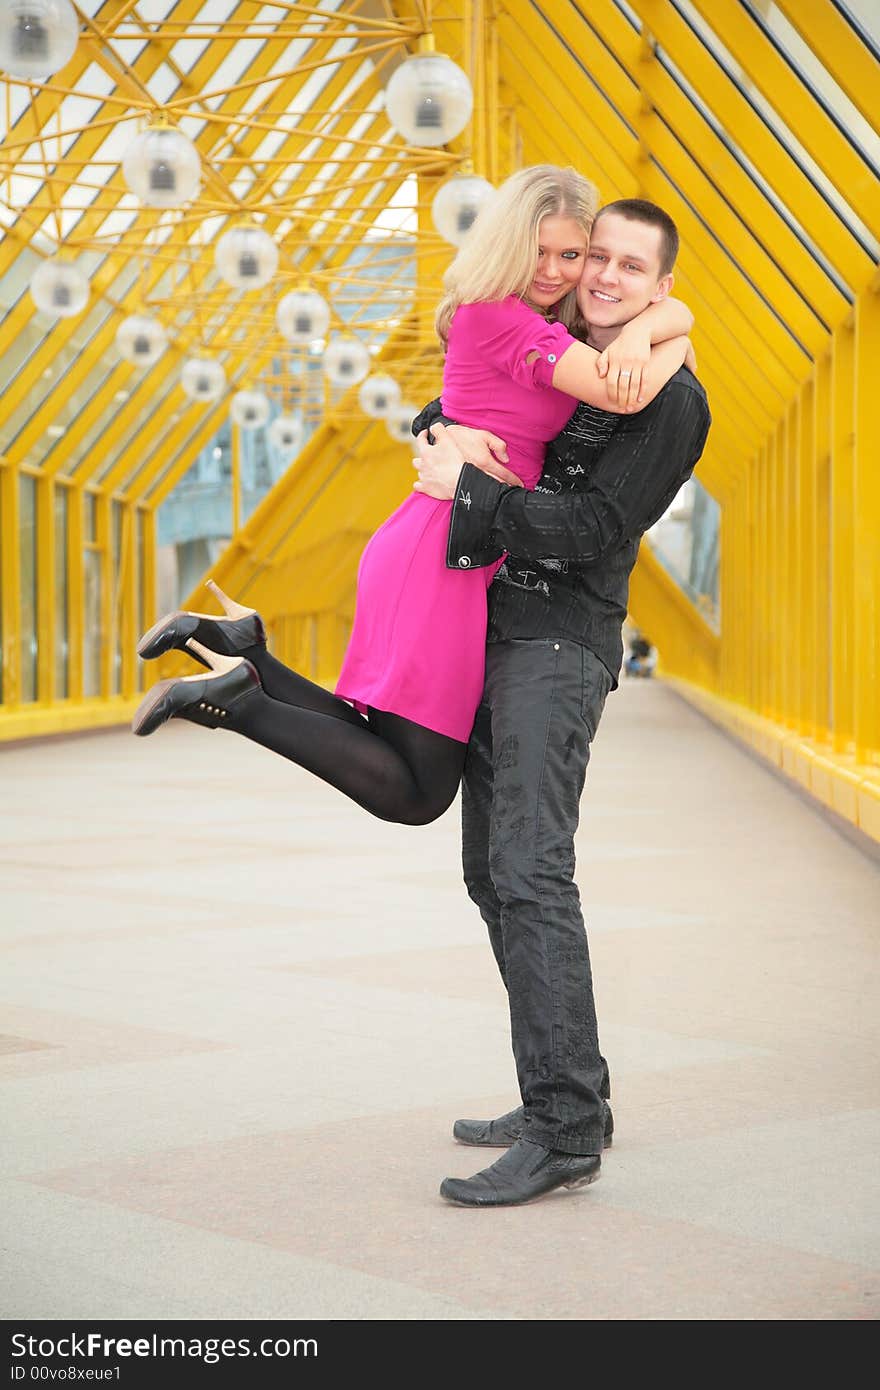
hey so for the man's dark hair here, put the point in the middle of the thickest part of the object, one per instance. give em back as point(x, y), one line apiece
point(640, 210)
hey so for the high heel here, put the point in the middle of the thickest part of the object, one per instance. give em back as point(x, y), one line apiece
point(207, 700)
point(242, 628)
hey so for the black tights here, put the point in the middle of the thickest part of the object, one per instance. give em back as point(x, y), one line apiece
point(397, 770)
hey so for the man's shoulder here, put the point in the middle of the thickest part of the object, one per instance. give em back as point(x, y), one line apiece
point(683, 386)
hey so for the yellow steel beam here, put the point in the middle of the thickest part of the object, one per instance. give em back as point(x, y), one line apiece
point(822, 547)
point(842, 537)
point(757, 142)
point(693, 157)
point(781, 86)
point(849, 61)
point(734, 301)
point(123, 375)
point(808, 561)
point(61, 332)
point(866, 530)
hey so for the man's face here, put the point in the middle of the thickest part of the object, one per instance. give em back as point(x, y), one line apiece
point(622, 271)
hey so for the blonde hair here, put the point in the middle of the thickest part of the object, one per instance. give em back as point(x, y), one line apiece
point(499, 256)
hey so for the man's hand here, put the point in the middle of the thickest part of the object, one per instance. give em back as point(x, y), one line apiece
point(440, 464)
point(624, 362)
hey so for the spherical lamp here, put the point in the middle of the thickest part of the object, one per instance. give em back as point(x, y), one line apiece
point(37, 37)
point(379, 395)
point(162, 168)
point(141, 340)
point(456, 204)
point(59, 289)
point(302, 316)
point(250, 409)
point(346, 361)
point(202, 379)
point(246, 258)
point(399, 422)
point(286, 434)
point(429, 99)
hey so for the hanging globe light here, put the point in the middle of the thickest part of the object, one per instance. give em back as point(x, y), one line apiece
point(346, 361)
point(250, 409)
point(246, 258)
point(162, 168)
point(378, 395)
point(37, 37)
point(399, 422)
point(302, 316)
point(286, 434)
point(456, 204)
point(202, 379)
point(141, 340)
point(429, 99)
point(59, 289)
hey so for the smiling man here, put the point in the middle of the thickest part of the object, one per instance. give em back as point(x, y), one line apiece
point(556, 608)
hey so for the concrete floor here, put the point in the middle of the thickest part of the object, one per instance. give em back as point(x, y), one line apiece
point(240, 1018)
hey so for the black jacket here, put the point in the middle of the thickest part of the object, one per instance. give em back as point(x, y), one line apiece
point(572, 543)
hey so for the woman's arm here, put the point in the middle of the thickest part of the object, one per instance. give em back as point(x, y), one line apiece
point(624, 362)
point(575, 373)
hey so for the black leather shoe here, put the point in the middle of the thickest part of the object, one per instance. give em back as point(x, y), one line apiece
point(525, 1172)
point(230, 636)
point(501, 1133)
point(207, 700)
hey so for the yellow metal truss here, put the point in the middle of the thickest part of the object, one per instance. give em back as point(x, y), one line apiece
point(733, 117)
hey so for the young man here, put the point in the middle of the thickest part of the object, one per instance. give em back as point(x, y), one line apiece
point(554, 651)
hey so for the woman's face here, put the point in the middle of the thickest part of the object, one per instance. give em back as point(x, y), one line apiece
point(562, 249)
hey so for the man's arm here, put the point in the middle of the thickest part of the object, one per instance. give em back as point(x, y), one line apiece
point(629, 487)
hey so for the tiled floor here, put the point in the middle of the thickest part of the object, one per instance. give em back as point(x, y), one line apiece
point(239, 1018)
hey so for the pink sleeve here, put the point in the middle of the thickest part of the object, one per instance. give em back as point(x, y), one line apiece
point(507, 332)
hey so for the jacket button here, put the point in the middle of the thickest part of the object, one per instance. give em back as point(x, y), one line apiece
point(464, 562)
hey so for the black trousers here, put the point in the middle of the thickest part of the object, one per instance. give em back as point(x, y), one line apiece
point(523, 778)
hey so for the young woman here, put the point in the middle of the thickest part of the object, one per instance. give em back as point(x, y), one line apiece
point(394, 736)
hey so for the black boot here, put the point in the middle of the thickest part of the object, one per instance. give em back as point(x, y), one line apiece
point(208, 700)
point(241, 629)
point(525, 1172)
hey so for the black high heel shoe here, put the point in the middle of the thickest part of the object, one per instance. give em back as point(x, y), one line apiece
point(207, 700)
point(242, 628)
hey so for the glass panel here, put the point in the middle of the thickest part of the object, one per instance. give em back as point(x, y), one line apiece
point(153, 412)
point(28, 631)
point(61, 633)
point(686, 542)
point(116, 544)
point(92, 623)
point(92, 582)
point(138, 562)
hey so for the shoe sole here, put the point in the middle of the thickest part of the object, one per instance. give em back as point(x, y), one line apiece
point(572, 1186)
point(148, 705)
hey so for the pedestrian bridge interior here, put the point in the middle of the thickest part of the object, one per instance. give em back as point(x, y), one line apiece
point(128, 476)
point(754, 125)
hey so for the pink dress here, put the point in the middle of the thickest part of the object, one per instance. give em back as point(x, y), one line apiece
point(418, 643)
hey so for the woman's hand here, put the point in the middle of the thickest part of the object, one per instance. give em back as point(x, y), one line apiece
point(624, 362)
point(479, 447)
point(440, 463)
